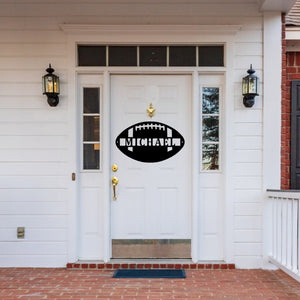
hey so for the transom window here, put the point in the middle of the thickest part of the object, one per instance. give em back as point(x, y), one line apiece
point(154, 55)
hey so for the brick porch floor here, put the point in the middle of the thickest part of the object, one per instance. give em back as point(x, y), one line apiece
point(26, 283)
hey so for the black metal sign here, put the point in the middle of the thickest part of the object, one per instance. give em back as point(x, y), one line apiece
point(150, 142)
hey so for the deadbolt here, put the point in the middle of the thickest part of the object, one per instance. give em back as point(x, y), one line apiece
point(114, 168)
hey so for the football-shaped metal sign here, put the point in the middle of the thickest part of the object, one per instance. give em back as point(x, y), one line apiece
point(150, 142)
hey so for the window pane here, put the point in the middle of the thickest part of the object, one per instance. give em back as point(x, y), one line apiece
point(91, 156)
point(91, 100)
point(210, 129)
point(153, 56)
point(211, 56)
point(122, 55)
point(210, 104)
point(91, 129)
point(91, 55)
point(210, 157)
point(182, 56)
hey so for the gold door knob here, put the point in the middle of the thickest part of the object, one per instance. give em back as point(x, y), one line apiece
point(114, 182)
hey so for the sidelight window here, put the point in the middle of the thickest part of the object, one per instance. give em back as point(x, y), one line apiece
point(91, 128)
point(210, 128)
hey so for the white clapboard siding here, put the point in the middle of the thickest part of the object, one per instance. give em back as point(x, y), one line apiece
point(32, 115)
point(251, 236)
point(250, 156)
point(44, 221)
point(58, 128)
point(27, 102)
point(251, 196)
point(33, 169)
point(33, 248)
point(247, 159)
point(33, 195)
point(34, 149)
point(248, 222)
point(34, 142)
point(251, 169)
point(28, 208)
point(248, 248)
point(33, 155)
point(16, 75)
point(247, 129)
point(40, 50)
point(35, 234)
point(248, 209)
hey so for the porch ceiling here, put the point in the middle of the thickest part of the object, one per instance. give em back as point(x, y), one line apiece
point(265, 5)
point(276, 5)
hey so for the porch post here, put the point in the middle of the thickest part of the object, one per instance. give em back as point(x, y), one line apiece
point(272, 118)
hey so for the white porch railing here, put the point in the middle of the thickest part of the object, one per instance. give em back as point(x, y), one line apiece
point(285, 254)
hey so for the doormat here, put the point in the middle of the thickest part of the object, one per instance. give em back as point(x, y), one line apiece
point(142, 273)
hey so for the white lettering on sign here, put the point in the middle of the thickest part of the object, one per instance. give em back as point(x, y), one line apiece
point(145, 142)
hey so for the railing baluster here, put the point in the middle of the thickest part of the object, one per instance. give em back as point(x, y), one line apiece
point(289, 231)
point(286, 231)
point(274, 222)
point(281, 230)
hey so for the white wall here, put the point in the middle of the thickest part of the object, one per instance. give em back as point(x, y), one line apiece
point(35, 166)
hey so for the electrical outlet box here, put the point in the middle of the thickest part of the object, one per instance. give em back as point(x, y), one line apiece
point(21, 232)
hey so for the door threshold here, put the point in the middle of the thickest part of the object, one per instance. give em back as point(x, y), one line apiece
point(186, 264)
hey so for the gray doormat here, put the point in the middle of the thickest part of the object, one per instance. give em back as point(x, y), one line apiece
point(142, 273)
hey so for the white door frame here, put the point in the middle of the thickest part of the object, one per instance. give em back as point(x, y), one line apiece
point(138, 35)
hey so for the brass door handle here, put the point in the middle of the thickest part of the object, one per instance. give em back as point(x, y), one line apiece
point(114, 182)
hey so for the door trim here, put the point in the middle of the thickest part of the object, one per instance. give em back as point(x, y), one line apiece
point(179, 35)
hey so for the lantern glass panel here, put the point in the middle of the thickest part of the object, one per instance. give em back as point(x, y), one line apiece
point(252, 85)
point(56, 84)
point(49, 84)
point(245, 85)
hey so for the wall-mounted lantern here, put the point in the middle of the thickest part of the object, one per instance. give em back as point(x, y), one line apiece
point(51, 87)
point(250, 87)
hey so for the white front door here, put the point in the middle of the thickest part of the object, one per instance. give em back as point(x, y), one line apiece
point(153, 199)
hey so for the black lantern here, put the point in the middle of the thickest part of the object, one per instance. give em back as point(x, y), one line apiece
point(51, 87)
point(250, 87)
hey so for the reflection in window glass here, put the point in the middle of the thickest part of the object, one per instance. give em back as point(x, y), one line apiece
point(210, 157)
point(181, 56)
point(210, 104)
point(122, 56)
point(153, 55)
point(91, 156)
point(91, 128)
point(211, 56)
point(210, 128)
point(89, 55)
point(91, 100)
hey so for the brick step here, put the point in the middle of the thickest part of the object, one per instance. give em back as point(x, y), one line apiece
point(186, 266)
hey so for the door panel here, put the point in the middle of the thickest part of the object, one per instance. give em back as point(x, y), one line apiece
point(153, 199)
